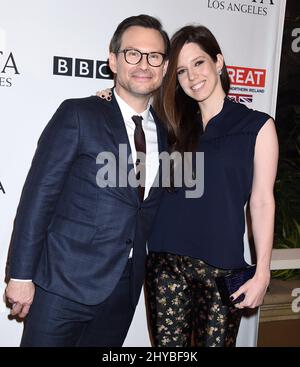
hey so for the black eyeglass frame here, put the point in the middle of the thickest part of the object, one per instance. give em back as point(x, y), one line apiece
point(141, 56)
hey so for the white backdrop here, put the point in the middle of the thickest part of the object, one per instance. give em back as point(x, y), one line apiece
point(32, 32)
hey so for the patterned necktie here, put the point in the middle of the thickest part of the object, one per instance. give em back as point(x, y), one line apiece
point(140, 146)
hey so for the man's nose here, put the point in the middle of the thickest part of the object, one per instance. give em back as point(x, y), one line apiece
point(144, 62)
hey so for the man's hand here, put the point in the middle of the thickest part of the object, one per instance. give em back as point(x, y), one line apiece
point(20, 296)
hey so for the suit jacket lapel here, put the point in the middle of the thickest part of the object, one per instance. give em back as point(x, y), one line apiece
point(118, 129)
point(161, 135)
point(117, 125)
point(162, 146)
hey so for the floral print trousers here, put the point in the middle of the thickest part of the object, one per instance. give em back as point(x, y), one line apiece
point(184, 306)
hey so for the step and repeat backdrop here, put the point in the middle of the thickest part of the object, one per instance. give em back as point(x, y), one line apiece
point(51, 50)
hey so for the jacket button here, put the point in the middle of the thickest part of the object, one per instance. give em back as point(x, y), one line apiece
point(129, 241)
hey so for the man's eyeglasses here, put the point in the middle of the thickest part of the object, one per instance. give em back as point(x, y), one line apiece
point(133, 57)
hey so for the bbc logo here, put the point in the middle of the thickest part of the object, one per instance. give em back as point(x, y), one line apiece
point(83, 68)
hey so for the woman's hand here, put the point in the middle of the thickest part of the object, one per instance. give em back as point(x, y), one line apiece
point(254, 290)
point(105, 94)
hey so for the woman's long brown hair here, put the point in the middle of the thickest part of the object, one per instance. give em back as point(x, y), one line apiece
point(180, 112)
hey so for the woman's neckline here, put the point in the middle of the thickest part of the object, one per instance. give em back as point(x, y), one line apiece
point(209, 122)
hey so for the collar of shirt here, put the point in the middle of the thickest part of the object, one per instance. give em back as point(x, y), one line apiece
point(128, 112)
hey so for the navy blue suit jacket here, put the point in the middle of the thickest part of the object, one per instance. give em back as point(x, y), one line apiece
point(70, 236)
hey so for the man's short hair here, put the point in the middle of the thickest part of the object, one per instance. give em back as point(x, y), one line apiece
point(141, 20)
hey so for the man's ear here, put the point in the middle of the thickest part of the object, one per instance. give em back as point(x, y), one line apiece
point(112, 61)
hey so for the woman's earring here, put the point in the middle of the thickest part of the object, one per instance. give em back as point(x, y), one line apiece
point(220, 72)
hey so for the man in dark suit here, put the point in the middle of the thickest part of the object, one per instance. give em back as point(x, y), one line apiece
point(76, 261)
